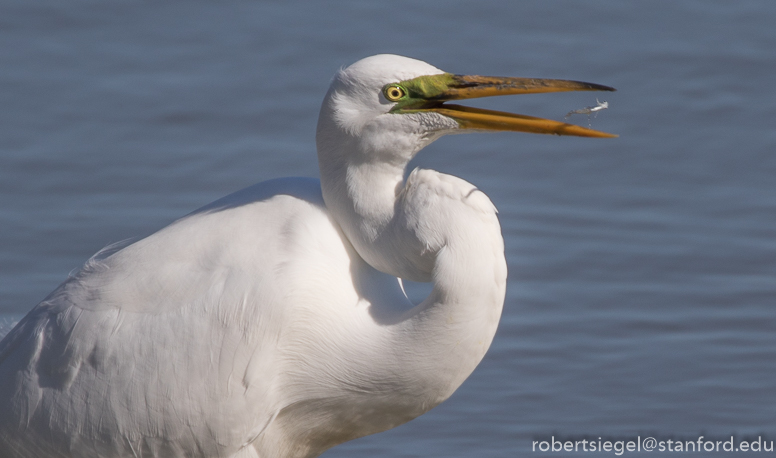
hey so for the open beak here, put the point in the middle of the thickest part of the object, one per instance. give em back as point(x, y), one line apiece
point(428, 93)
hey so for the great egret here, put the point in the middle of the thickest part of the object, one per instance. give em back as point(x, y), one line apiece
point(271, 323)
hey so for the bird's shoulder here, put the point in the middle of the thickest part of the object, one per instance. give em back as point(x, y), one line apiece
point(243, 239)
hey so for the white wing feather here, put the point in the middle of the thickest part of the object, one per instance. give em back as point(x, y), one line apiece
point(118, 334)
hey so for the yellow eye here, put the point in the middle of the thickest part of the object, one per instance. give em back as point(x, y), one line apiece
point(394, 93)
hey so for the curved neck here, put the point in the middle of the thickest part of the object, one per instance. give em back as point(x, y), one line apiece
point(434, 227)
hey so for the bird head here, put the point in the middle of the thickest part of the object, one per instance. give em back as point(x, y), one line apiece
point(395, 105)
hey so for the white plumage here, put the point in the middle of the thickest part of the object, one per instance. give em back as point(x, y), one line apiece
point(270, 323)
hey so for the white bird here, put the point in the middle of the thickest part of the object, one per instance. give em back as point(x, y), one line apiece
point(270, 323)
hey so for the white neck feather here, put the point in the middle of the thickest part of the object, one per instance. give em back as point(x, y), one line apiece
point(435, 228)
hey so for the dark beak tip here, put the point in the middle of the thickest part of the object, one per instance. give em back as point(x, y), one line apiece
point(601, 87)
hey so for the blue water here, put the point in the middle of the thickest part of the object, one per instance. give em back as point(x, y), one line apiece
point(642, 287)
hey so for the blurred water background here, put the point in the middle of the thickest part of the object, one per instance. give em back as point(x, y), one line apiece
point(642, 285)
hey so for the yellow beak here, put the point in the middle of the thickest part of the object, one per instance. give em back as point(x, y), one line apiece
point(428, 93)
